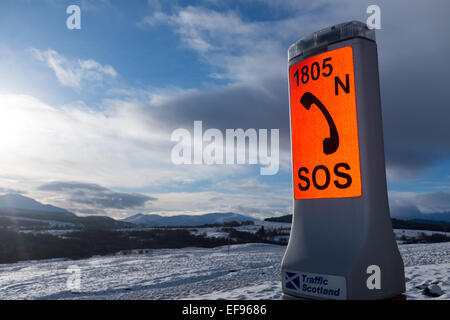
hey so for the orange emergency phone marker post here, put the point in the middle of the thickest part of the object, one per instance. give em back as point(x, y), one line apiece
point(324, 126)
point(342, 244)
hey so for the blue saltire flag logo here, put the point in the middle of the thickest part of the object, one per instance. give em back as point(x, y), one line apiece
point(292, 280)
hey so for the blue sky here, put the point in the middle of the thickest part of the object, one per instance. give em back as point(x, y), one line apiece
point(96, 106)
point(109, 34)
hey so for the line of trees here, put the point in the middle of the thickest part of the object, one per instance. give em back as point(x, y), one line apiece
point(16, 246)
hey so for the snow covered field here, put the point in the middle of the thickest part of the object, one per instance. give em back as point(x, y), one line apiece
point(250, 271)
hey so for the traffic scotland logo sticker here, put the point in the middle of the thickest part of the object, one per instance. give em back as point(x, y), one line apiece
point(315, 285)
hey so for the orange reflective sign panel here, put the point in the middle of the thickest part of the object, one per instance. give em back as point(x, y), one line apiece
point(324, 126)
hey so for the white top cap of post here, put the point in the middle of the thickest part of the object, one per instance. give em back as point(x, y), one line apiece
point(330, 35)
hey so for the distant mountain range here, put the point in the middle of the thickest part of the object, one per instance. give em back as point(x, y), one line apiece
point(24, 212)
point(18, 210)
point(14, 201)
point(419, 216)
point(155, 220)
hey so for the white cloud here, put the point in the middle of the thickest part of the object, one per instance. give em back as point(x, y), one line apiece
point(258, 205)
point(122, 145)
point(115, 146)
point(74, 73)
point(250, 185)
point(153, 19)
point(91, 198)
point(241, 51)
point(425, 202)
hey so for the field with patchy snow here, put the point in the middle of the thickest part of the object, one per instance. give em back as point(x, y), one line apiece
point(250, 271)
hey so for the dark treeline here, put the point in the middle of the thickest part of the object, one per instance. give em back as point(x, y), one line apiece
point(421, 225)
point(213, 225)
point(17, 246)
point(261, 236)
point(425, 238)
point(396, 223)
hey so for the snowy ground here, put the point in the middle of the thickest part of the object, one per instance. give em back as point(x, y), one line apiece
point(249, 271)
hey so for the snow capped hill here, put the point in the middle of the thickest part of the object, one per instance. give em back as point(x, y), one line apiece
point(26, 212)
point(155, 220)
point(14, 201)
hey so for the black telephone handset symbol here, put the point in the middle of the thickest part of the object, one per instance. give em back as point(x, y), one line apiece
point(331, 144)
